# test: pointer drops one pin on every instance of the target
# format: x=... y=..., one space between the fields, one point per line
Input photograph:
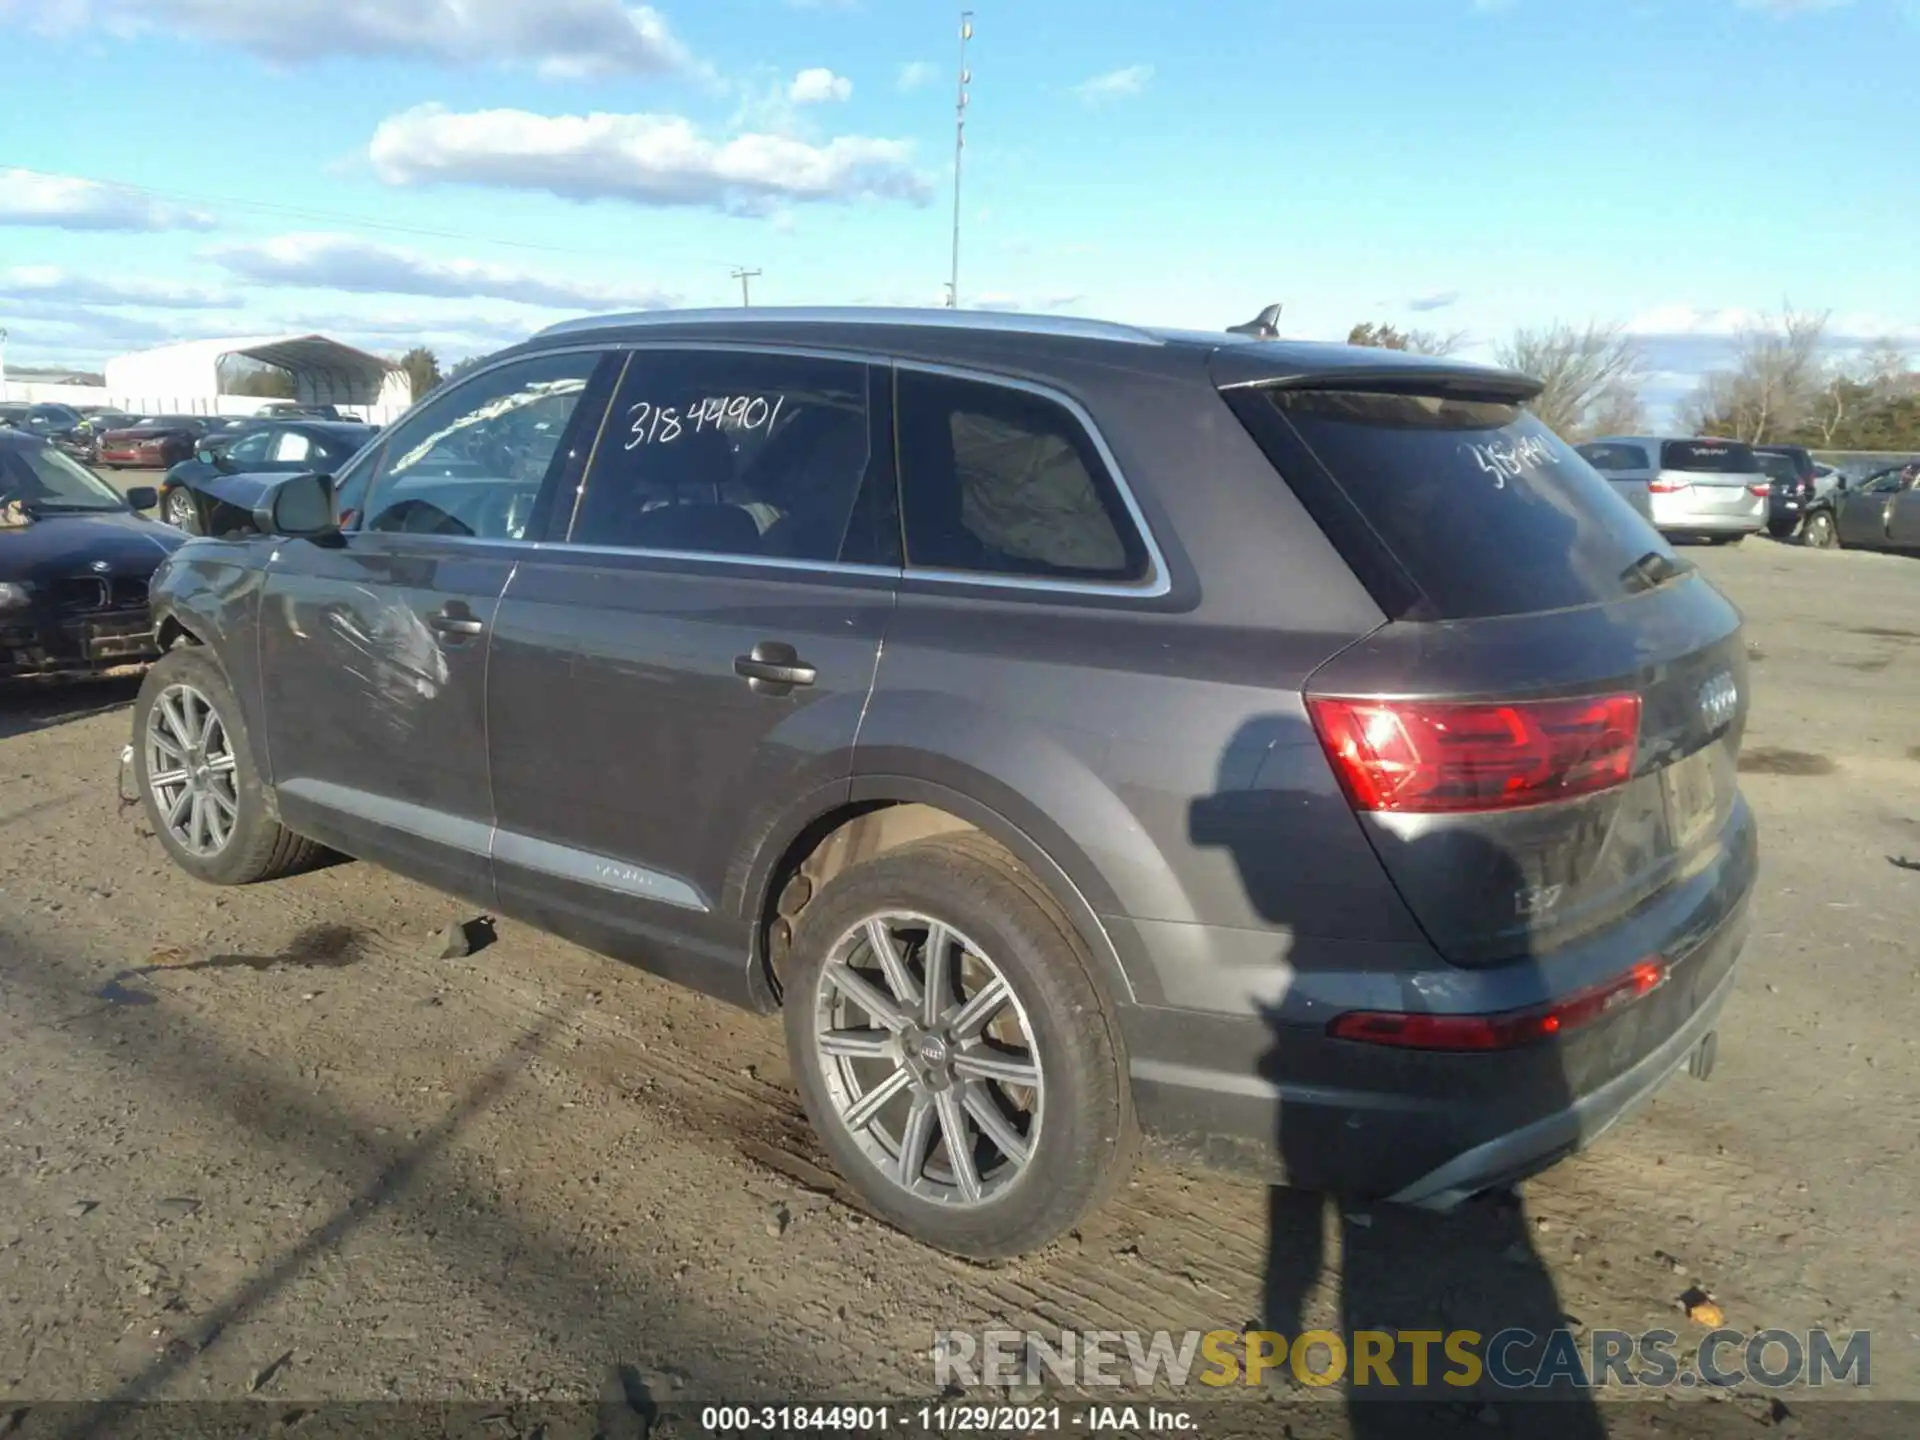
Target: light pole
x=959 y=144
x=744 y=275
x=3 y=364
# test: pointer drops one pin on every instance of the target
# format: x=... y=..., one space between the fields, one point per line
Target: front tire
x=1821 y=533
x=954 y=1051
x=195 y=770
x=180 y=510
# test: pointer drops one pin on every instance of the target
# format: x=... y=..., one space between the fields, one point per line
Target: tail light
x=1504 y=1031
x=1762 y=488
x=1666 y=487
x=1416 y=757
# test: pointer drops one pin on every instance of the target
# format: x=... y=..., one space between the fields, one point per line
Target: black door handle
x=456 y=625
x=773 y=668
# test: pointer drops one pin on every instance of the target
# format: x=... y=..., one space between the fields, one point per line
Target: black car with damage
x=75 y=561
x=200 y=496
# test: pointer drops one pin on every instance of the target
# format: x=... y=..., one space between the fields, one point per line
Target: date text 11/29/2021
x=951 y=1419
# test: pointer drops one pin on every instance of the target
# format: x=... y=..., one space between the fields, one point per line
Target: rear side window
x=1709 y=457
x=1614 y=457
x=1455 y=509
x=1000 y=481
x=719 y=453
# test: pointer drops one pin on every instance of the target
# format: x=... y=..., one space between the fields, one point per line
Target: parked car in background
x=1620 y=468
x=298 y=410
x=212 y=492
x=44 y=421
x=75 y=559
x=1295 y=750
x=223 y=432
x=155 y=442
x=1698 y=488
x=1827 y=478
x=83 y=441
x=1882 y=512
x=1789 y=492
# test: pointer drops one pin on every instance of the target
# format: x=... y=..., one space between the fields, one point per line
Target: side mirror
x=299 y=507
x=143 y=497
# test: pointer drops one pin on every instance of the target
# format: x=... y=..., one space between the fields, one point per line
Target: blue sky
x=462 y=171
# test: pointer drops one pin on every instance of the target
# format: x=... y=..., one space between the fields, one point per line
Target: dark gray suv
x=1294 y=753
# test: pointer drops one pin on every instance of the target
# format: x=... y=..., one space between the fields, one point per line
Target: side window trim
x=1157 y=582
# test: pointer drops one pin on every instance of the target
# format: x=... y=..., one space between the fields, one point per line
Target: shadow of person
x=1413 y=1276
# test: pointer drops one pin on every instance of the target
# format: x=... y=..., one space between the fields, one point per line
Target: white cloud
x=48 y=282
x=644 y=159
x=1440 y=300
x=819 y=84
x=565 y=39
x=344 y=262
x=914 y=74
x=1121 y=84
x=66 y=202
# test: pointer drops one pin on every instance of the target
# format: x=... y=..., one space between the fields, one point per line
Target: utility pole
x=3 y=364
x=744 y=275
x=959 y=144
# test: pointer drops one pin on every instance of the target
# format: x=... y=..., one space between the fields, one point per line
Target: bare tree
x=1775 y=384
x=1581 y=372
x=1618 y=411
x=1435 y=342
x=1417 y=342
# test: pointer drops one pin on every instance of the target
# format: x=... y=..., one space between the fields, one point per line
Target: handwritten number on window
x=663 y=424
x=1504 y=460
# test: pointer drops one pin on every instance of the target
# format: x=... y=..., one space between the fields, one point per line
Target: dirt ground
x=266 y=1143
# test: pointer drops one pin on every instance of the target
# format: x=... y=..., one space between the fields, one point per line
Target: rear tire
x=1044 y=1064
x=198 y=783
x=1821 y=533
x=1782 y=529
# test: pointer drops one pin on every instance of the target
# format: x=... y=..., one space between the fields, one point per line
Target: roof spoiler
x=1264 y=326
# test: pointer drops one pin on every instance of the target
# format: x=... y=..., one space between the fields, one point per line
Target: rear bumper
x=1283 y=1102
x=1681 y=515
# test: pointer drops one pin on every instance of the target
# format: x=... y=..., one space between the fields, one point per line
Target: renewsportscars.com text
x=1513 y=1359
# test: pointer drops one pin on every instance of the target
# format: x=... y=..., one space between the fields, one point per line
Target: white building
x=185 y=378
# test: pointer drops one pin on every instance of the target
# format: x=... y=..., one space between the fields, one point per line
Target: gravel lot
x=266 y=1143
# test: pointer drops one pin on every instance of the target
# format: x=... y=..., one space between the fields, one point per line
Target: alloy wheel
x=929 y=1059
x=190 y=771
x=180 y=511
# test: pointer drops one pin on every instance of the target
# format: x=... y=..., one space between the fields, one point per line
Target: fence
x=35 y=392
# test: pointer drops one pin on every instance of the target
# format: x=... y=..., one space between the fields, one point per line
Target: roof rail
x=1003 y=322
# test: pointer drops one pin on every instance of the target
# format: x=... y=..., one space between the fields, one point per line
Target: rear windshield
x=1480 y=506
x=1780 y=467
x=1712 y=457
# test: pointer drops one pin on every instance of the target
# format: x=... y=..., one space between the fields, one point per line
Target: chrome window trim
x=1156 y=584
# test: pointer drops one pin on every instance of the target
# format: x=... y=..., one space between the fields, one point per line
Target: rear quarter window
x=1709 y=457
x=1614 y=456
x=1482 y=510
